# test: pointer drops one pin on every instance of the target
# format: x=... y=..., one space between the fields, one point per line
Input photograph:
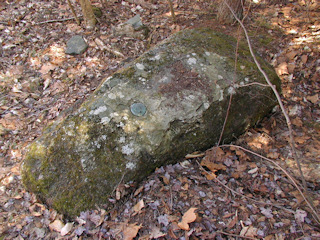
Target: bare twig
x=103 y=46
x=253 y=83
x=172 y=11
x=55 y=20
x=291 y=142
x=231 y=94
x=73 y=12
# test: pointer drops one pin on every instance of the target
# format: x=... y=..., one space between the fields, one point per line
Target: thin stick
x=172 y=11
x=55 y=20
x=73 y=12
x=291 y=142
x=253 y=83
x=103 y=46
x=231 y=94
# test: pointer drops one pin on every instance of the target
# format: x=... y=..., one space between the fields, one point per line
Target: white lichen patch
x=192 y=61
x=112 y=96
x=231 y=90
x=156 y=57
x=122 y=139
x=190 y=97
x=206 y=105
x=83 y=162
x=221 y=96
x=143 y=80
x=114 y=114
x=99 y=110
x=105 y=120
x=130 y=165
x=127 y=149
x=120 y=124
x=140 y=66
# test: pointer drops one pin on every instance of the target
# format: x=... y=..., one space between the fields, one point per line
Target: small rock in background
x=132 y=28
x=76 y=45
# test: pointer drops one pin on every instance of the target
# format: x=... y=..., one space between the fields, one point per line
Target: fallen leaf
x=206 y=162
x=139 y=190
x=47 y=68
x=209 y=176
x=254 y=170
x=137 y=208
x=249 y=231
x=304 y=59
x=156 y=233
x=282 y=69
x=267 y=212
x=290 y=55
x=300 y=215
x=66 y=229
x=57 y=225
x=314 y=99
x=273 y=155
x=131 y=231
x=189 y=217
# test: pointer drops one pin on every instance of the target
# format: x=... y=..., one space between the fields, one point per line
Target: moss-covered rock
x=169 y=102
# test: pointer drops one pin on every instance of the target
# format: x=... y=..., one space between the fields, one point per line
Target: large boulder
x=169 y=102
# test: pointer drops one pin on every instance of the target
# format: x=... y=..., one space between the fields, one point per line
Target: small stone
x=76 y=45
x=135 y=22
x=138 y=109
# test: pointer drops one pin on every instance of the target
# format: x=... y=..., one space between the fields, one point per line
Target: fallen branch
x=73 y=12
x=291 y=142
x=55 y=20
x=103 y=47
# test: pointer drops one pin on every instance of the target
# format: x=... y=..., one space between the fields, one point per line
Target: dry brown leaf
x=47 y=68
x=273 y=155
x=208 y=175
x=304 y=59
x=57 y=225
x=131 y=231
x=297 y=121
x=212 y=166
x=249 y=231
x=137 y=208
x=282 y=69
x=314 y=99
x=66 y=229
x=188 y=217
x=156 y=233
x=139 y=190
x=165 y=180
x=290 y=55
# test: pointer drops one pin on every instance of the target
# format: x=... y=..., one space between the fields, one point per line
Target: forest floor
x=249 y=198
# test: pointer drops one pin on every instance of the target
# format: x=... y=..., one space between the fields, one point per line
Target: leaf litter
x=38 y=82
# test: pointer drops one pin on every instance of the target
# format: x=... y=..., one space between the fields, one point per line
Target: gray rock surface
x=169 y=102
x=76 y=45
x=132 y=28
